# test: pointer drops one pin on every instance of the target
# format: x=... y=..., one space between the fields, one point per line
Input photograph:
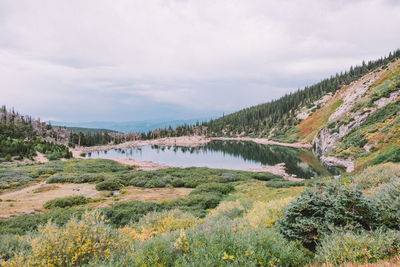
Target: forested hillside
x=21 y=137
x=276 y=119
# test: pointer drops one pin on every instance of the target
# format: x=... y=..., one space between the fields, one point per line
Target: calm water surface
x=235 y=155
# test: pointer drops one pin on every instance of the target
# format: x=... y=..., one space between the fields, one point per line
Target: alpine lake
x=235 y=155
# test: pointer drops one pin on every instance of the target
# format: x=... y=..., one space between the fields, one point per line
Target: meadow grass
x=229 y=219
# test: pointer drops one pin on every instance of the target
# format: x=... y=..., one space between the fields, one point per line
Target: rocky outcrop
x=327 y=138
x=346 y=117
x=348 y=164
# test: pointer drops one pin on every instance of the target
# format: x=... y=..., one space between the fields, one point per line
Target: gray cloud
x=125 y=60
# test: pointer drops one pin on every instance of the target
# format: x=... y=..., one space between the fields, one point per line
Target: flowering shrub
x=78 y=242
x=166 y=221
x=266 y=213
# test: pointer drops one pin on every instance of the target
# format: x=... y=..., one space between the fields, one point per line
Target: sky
x=133 y=60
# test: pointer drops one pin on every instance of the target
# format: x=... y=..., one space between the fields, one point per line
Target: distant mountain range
x=129 y=126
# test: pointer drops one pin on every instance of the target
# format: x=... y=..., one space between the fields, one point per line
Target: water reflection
x=226 y=155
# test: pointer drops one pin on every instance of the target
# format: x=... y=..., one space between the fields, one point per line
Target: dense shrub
x=123 y=213
x=218 y=188
x=388 y=202
x=266 y=176
x=319 y=211
x=392 y=155
x=177 y=177
x=66 y=202
x=381 y=115
x=12 y=178
x=197 y=203
x=219 y=245
x=94 y=166
x=112 y=184
x=25 y=223
x=283 y=183
x=11 y=245
x=77 y=178
x=343 y=247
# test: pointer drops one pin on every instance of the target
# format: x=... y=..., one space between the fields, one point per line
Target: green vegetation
x=230 y=219
x=89 y=138
x=21 y=137
x=283 y=183
x=122 y=213
x=109 y=185
x=363 y=247
x=66 y=202
x=392 y=155
x=71 y=171
x=320 y=210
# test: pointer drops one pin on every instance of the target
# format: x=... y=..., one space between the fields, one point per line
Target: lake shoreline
x=187 y=141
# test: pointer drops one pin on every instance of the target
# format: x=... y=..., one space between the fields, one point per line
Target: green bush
x=392 y=155
x=11 y=245
x=283 y=183
x=381 y=115
x=266 y=176
x=177 y=177
x=318 y=211
x=77 y=178
x=343 y=247
x=123 y=213
x=197 y=203
x=29 y=222
x=94 y=166
x=213 y=188
x=388 y=202
x=66 y=202
x=8 y=157
x=110 y=185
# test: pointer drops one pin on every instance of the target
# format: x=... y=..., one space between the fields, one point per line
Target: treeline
x=88 y=139
x=280 y=113
x=100 y=138
x=183 y=130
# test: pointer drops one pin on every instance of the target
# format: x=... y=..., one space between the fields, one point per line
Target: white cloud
x=102 y=59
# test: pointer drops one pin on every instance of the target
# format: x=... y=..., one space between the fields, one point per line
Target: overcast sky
x=125 y=60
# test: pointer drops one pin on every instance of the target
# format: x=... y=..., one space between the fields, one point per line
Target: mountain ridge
x=130 y=126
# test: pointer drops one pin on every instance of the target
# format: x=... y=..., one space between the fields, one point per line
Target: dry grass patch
x=130 y=193
x=45 y=188
x=257 y=191
x=31 y=199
